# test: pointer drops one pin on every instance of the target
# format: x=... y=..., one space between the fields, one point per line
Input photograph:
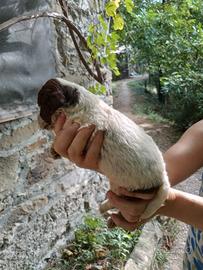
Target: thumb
x=149 y=195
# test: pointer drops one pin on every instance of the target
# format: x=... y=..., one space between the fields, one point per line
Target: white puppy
x=129 y=157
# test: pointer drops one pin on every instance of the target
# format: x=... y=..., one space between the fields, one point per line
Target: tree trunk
x=161 y=96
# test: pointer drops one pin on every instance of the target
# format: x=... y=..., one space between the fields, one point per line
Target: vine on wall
x=102 y=38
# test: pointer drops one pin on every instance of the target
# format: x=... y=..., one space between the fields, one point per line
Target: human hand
x=74 y=143
x=130 y=205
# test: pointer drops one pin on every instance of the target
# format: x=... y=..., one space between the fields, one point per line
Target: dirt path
x=124 y=101
x=165 y=136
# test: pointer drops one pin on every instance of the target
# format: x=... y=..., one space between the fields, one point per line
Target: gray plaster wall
x=33 y=51
x=41 y=199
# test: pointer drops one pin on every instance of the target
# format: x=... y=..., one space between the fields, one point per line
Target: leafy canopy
x=166 y=38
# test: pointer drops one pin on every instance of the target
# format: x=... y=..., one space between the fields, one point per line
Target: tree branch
x=99 y=76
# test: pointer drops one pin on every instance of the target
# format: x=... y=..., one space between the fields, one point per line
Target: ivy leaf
x=103 y=89
x=97 y=89
x=100 y=39
x=116 y=71
x=111 y=8
x=117 y=2
x=89 y=42
x=118 y=22
x=129 y=5
x=103 y=23
x=91 y=28
x=114 y=37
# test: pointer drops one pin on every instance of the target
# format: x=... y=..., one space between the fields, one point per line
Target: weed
x=95 y=244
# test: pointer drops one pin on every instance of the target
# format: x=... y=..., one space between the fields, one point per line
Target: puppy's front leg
x=105 y=206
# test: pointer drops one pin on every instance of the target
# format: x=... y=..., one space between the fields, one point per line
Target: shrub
x=185 y=91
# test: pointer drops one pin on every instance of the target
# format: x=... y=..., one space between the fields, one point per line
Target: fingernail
x=92 y=126
x=62 y=115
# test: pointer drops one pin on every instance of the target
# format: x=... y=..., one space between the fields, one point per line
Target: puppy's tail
x=158 y=200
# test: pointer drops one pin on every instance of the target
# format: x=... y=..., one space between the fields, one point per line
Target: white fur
x=129 y=157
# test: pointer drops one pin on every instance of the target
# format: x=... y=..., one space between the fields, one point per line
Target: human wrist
x=168 y=206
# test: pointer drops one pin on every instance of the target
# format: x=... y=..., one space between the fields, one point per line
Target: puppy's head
x=52 y=96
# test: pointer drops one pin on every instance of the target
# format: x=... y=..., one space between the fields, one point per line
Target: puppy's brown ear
x=50 y=98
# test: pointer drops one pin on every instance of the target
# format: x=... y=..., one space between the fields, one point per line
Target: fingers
x=75 y=143
x=59 y=123
x=119 y=221
x=94 y=149
x=84 y=153
x=138 y=195
x=78 y=145
x=65 y=136
x=131 y=209
x=123 y=203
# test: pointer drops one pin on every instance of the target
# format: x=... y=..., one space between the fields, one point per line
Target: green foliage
x=97 y=89
x=112 y=10
x=103 y=35
x=165 y=36
x=102 y=39
x=186 y=97
x=167 y=39
x=95 y=242
x=129 y=6
x=118 y=22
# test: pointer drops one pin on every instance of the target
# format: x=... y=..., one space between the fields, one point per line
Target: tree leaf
x=129 y=5
x=118 y=22
x=111 y=8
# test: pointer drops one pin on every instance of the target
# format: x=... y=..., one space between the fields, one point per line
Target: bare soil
x=164 y=135
x=124 y=101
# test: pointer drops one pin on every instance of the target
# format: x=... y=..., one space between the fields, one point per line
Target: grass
x=147 y=103
x=96 y=245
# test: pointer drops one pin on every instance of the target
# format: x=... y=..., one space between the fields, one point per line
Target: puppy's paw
x=105 y=206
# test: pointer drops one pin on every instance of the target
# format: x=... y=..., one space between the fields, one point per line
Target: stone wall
x=41 y=199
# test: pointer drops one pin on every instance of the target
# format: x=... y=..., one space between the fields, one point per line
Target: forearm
x=185 y=157
x=179 y=167
x=185 y=207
